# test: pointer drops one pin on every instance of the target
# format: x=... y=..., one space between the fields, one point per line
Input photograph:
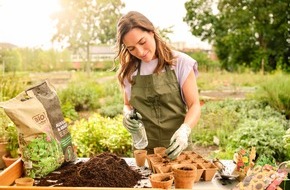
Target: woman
x=159 y=83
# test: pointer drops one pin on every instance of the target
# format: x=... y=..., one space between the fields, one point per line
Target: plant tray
x=9 y=174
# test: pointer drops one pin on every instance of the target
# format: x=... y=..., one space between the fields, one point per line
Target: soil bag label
x=44 y=140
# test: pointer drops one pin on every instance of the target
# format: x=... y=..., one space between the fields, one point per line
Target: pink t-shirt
x=184 y=64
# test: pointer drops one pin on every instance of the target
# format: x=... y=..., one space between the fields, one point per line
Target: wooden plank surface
x=11 y=173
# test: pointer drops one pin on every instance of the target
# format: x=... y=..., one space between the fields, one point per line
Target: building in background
x=98 y=55
x=101 y=54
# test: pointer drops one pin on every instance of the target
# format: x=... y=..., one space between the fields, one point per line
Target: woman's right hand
x=132 y=121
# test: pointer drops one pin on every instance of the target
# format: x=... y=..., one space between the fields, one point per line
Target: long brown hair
x=129 y=63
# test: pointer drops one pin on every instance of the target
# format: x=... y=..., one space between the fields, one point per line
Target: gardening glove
x=178 y=142
x=132 y=121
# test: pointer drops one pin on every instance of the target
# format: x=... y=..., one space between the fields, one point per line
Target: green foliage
x=103 y=96
x=164 y=32
x=11 y=85
x=99 y=134
x=242 y=34
x=10 y=59
x=286 y=140
x=45 y=155
x=216 y=120
x=83 y=95
x=242 y=123
x=264 y=159
x=4 y=123
x=205 y=64
x=12 y=146
x=264 y=134
x=225 y=80
x=111 y=110
x=112 y=102
x=276 y=93
x=36 y=59
x=69 y=112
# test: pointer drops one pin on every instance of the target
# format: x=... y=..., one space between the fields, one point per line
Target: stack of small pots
x=187 y=169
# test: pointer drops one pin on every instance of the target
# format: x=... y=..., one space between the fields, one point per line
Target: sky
x=27 y=23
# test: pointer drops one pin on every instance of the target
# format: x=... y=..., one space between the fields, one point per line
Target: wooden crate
x=9 y=174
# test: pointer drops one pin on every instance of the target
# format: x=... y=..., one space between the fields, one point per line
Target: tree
x=84 y=23
x=244 y=33
x=164 y=32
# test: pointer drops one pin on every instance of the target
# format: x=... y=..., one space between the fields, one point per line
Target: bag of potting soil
x=44 y=140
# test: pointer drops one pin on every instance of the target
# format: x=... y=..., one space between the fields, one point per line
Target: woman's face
x=140 y=44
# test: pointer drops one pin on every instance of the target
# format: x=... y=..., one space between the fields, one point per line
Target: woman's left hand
x=178 y=142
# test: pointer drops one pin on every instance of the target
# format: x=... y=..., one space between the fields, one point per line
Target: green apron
x=157 y=97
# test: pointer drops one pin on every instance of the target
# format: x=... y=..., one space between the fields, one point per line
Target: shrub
x=264 y=134
x=112 y=103
x=216 y=120
x=242 y=123
x=276 y=93
x=99 y=134
x=82 y=95
x=69 y=112
x=205 y=63
x=11 y=86
x=4 y=123
x=111 y=110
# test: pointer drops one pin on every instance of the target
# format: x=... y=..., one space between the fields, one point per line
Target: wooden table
x=214 y=184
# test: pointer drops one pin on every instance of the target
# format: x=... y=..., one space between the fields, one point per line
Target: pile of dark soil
x=103 y=170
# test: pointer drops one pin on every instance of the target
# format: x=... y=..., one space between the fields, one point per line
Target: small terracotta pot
x=8 y=160
x=209 y=172
x=192 y=156
x=200 y=170
x=148 y=158
x=140 y=157
x=184 y=175
x=3 y=151
x=24 y=181
x=165 y=168
x=186 y=161
x=160 y=180
x=160 y=151
x=154 y=162
x=156 y=167
x=181 y=157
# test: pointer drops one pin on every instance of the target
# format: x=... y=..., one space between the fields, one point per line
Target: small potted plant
x=3 y=137
x=12 y=145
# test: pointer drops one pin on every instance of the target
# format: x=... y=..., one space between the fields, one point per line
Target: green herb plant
x=13 y=145
x=42 y=155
